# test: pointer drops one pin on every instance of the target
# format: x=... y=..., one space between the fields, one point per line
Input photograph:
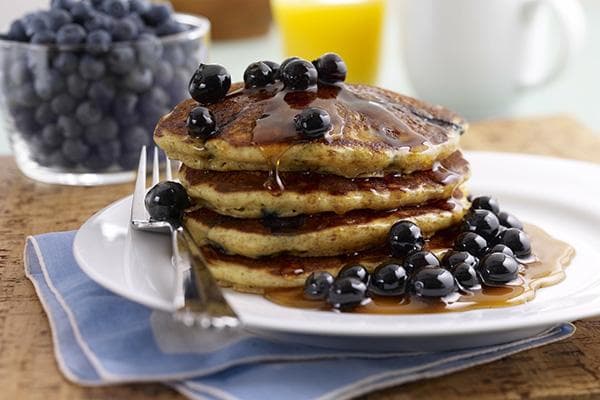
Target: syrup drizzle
x=274 y=131
x=547 y=268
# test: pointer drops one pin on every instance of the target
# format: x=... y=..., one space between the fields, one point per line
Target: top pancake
x=373 y=131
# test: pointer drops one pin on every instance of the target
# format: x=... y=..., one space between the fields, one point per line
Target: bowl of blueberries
x=83 y=84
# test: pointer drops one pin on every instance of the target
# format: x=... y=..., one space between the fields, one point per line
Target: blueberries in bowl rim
x=99 y=52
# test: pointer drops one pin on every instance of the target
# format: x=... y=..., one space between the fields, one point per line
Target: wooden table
x=570 y=369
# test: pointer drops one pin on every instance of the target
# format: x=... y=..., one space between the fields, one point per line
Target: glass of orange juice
x=351 y=28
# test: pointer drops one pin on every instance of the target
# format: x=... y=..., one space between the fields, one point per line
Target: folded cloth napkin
x=102 y=339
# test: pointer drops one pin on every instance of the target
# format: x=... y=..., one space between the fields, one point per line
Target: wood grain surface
x=28 y=370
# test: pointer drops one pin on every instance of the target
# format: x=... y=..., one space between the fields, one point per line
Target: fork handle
x=202 y=298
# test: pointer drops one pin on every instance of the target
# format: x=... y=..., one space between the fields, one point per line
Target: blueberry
x=77 y=86
x=25 y=95
x=98 y=42
x=134 y=138
x=48 y=85
x=44 y=114
x=91 y=68
x=62 y=4
x=154 y=102
x=82 y=11
x=63 y=104
x=18 y=73
x=498 y=269
x=483 y=222
x=347 y=293
x=405 y=237
x=99 y=21
x=70 y=34
x=433 y=282
x=169 y=27
x=57 y=159
x=166 y=201
x=124 y=108
x=120 y=59
x=116 y=8
x=35 y=22
x=509 y=221
x=102 y=156
x=299 y=75
x=102 y=93
x=389 y=279
x=201 y=123
x=75 y=150
x=26 y=125
x=210 y=83
x=52 y=136
x=517 y=240
x=286 y=62
x=416 y=260
x=149 y=49
x=58 y=17
x=164 y=73
x=331 y=68
x=88 y=113
x=452 y=258
x=139 y=80
x=70 y=127
x=485 y=203
x=139 y=6
x=472 y=243
x=317 y=285
x=124 y=30
x=65 y=62
x=465 y=276
x=274 y=67
x=258 y=74
x=157 y=14
x=16 y=31
x=43 y=37
x=175 y=55
x=103 y=131
x=312 y=122
x=500 y=248
x=355 y=271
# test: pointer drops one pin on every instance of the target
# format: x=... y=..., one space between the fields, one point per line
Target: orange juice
x=351 y=28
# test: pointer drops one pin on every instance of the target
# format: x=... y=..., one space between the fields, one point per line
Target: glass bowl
x=78 y=118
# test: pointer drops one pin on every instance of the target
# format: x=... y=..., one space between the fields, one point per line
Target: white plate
x=558 y=195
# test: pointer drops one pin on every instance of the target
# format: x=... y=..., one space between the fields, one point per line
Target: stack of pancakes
x=271 y=207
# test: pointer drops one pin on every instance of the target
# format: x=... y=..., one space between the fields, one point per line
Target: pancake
x=243 y=194
x=315 y=235
x=373 y=130
x=285 y=271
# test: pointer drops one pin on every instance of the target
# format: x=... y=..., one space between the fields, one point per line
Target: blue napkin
x=103 y=339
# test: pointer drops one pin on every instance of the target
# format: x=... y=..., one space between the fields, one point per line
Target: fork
x=203 y=302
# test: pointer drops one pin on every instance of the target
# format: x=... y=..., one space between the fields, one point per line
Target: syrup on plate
x=545 y=268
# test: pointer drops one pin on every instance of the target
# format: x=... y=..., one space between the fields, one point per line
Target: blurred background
x=417 y=47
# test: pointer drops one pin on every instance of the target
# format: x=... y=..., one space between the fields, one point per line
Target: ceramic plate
x=558 y=195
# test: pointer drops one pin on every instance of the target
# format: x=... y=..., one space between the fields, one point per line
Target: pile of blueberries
x=211 y=82
x=89 y=90
x=486 y=252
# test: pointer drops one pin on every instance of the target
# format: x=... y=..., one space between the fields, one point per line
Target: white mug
x=478 y=56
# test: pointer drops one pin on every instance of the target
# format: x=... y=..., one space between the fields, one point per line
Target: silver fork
x=203 y=302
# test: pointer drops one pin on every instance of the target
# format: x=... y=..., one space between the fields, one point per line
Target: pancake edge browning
x=352 y=236
x=256 y=202
x=348 y=156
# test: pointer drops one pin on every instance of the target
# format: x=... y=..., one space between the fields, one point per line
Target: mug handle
x=572 y=26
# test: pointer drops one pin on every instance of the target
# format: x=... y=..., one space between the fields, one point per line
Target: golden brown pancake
x=256 y=275
x=373 y=130
x=316 y=235
x=244 y=194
